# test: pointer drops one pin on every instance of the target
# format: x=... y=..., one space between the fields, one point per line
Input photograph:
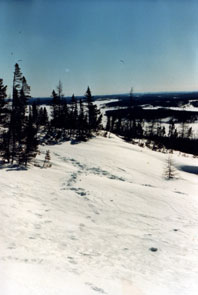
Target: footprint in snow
x=81 y=227
x=73 y=238
x=153 y=249
x=39 y=215
x=47 y=221
x=98 y=171
x=12 y=246
x=71 y=260
x=125 y=249
x=148 y=185
x=93 y=208
x=177 y=192
x=37 y=226
x=79 y=191
x=95 y=288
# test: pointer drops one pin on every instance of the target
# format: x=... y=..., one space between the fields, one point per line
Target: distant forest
x=25 y=122
x=156 y=99
x=131 y=121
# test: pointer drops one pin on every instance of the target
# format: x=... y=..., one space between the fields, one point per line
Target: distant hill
x=155 y=99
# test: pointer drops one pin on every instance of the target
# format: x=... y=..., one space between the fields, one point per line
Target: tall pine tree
x=4 y=116
x=3 y=103
x=57 y=105
x=94 y=115
x=17 y=137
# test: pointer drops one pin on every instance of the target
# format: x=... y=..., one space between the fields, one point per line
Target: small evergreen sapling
x=47 y=163
x=170 y=172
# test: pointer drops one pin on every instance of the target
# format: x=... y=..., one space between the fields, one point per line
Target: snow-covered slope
x=86 y=225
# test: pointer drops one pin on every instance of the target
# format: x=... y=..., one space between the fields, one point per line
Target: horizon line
x=126 y=93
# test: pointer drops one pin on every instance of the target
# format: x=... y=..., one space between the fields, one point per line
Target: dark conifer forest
x=24 y=126
x=147 y=126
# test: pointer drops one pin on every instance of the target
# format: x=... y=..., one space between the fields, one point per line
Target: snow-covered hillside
x=86 y=225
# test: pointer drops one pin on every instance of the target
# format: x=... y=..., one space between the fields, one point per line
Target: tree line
x=23 y=126
x=133 y=122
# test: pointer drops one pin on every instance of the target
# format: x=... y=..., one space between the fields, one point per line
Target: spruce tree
x=47 y=159
x=93 y=113
x=16 y=138
x=65 y=117
x=35 y=113
x=170 y=171
x=3 y=103
x=73 y=116
x=81 y=121
x=14 y=134
x=57 y=105
x=31 y=143
x=43 y=118
x=4 y=115
x=55 y=108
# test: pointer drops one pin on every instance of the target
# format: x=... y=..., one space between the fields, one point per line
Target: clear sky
x=110 y=45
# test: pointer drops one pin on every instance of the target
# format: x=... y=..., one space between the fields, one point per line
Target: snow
x=187 y=107
x=85 y=226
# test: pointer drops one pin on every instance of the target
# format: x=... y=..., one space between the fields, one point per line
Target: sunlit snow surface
x=85 y=226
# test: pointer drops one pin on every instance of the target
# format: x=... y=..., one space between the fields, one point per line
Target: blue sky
x=83 y=42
